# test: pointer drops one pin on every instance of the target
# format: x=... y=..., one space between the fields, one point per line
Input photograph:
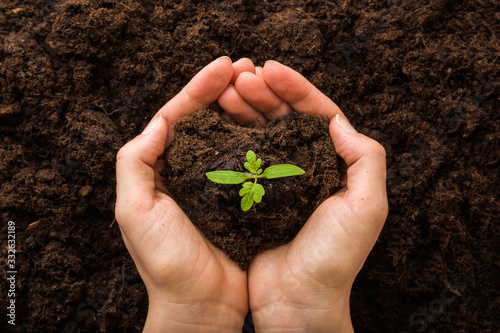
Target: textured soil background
x=80 y=78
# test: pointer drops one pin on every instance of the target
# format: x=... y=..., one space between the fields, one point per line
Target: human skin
x=302 y=286
x=192 y=286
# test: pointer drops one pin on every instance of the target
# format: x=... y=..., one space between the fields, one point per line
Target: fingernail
x=258 y=67
x=270 y=61
x=247 y=73
x=344 y=124
x=226 y=57
x=152 y=124
x=245 y=59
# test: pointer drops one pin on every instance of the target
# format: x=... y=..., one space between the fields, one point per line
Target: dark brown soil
x=79 y=78
x=204 y=142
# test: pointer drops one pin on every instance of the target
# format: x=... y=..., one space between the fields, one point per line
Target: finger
x=238 y=109
x=297 y=91
x=255 y=91
x=203 y=89
x=158 y=168
x=135 y=175
x=366 y=171
x=240 y=66
x=258 y=71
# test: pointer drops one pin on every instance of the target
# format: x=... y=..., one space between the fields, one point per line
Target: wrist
x=280 y=317
x=171 y=316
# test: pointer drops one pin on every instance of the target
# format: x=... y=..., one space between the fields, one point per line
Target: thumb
x=135 y=175
x=366 y=173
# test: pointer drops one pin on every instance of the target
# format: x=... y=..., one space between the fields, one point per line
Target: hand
x=305 y=285
x=191 y=284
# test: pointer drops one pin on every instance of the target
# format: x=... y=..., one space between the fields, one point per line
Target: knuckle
x=120 y=214
x=379 y=149
x=126 y=212
x=381 y=205
x=121 y=153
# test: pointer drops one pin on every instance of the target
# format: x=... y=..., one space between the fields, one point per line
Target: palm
x=311 y=277
x=182 y=257
x=189 y=281
x=323 y=254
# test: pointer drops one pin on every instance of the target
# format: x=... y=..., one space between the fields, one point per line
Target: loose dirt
x=205 y=142
x=80 y=78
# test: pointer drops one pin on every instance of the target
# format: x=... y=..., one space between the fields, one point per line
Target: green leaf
x=251 y=156
x=253 y=164
x=282 y=170
x=247 y=201
x=251 y=192
x=257 y=164
x=249 y=167
x=248 y=185
x=227 y=177
x=258 y=193
x=247 y=188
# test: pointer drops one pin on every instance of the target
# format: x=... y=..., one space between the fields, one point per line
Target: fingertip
x=339 y=125
x=366 y=168
x=152 y=124
x=271 y=62
x=247 y=74
x=241 y=66
x=150 y=144
x=348 y=142
x=135 y=165
x=258 y=71
x=244 y=79
x=222 y=66
x=270 y=69
x=344 y=139
x=297 y=91
x=343 y=123
x=257 y=93
x=237 y=109
x=273 y=69
x=220 y=69
x=225 y=58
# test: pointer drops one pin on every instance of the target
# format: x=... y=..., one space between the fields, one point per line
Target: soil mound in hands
x=204 y=142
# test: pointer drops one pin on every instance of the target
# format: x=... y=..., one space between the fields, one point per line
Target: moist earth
x=204 y=142
x=80 y=78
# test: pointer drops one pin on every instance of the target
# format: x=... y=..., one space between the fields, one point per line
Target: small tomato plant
x=253 y=191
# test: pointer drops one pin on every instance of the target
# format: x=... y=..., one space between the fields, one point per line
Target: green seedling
x=252 y=191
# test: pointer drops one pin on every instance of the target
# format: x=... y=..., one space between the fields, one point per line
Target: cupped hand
x=304 y=286
x=191 y=284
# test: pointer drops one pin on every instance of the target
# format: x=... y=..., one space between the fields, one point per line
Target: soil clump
x=204 y=142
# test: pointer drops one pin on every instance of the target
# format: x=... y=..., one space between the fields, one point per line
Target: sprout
x=252 y=191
